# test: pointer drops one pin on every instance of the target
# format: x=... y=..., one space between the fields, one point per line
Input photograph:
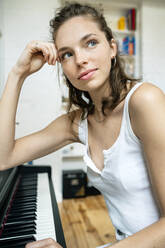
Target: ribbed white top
x=124 y=180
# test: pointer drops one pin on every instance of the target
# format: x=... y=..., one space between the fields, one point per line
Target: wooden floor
x=86 y=222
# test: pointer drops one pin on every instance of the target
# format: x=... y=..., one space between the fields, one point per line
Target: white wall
x=40 y=97
x=153 y=37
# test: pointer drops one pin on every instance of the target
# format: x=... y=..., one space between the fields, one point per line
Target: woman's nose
x=81 y=58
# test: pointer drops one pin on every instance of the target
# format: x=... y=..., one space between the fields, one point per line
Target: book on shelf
x=131 y=19
x=127 y=45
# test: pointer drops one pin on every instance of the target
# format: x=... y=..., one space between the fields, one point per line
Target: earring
x=114 y=61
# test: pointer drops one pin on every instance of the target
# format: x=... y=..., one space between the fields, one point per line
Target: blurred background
x=138 y=26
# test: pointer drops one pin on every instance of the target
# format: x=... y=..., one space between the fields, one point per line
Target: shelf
x=73 y=151
x=68 y=157
x=127 y=56
x=124 y=32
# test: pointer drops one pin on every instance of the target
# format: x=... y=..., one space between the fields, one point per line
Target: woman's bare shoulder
x=146 y=94
x=146 y=106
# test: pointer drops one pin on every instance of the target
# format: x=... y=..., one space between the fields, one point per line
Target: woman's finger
x=54 y=52
x=51 y=53
x=45 y=243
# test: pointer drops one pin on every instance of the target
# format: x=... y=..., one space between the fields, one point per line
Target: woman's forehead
x=76 y=28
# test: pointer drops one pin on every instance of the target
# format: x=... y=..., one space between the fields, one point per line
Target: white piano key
x=45 y=226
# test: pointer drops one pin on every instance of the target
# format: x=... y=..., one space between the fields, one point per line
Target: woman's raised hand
x=34 y=56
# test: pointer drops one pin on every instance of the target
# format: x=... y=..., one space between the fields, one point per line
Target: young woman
x=120 y=121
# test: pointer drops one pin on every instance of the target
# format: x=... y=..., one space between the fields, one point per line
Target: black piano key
x=19 y=215
x=28 y=230
x=32 y=185
x=32 y=210
x=27 y=187
x=18 y=244
x=22 y=210
x=25 y=205
x=21 y=195
x=16 y=209
x=28 y=183
x=15 y=233
x=15 y=240
x=26 y=190
x=14 y=246
x=30 y=216
x=18 y=205
x=18 y=222
x=19 y=226
x=26 y=193
x=28 y=199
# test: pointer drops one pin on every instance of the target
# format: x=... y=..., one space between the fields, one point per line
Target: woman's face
x=84 y=53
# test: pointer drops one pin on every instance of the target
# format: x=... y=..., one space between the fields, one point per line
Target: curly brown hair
x=118 y=78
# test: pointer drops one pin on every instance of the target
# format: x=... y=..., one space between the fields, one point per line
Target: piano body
x=28 y=207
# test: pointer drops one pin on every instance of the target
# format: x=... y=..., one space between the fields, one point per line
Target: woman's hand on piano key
x=45 y=243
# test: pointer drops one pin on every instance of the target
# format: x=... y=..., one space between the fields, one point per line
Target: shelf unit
x=130 y=60
x=113 y=11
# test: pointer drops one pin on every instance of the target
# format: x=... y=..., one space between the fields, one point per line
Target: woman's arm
x=57 y=134
x=147 y=112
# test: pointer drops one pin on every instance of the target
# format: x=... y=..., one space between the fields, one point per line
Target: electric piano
x=28 y=207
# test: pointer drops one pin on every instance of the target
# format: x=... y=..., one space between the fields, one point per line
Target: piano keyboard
x=30 y=215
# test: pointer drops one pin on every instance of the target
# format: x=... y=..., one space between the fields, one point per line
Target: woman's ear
x=113 y=46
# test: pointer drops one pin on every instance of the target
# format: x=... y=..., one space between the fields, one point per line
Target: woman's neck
x=98 y=95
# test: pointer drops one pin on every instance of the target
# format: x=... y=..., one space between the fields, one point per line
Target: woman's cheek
x=68 y=70
x=67 y=73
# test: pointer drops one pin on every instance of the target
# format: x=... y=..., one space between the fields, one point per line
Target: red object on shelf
x=133 y=17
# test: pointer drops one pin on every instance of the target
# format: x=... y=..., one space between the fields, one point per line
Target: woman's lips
x=87 y=75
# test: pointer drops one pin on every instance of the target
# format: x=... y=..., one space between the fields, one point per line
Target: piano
x=28 y=207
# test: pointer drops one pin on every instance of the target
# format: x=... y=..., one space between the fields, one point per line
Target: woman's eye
x=92 y=43
x=66 y=55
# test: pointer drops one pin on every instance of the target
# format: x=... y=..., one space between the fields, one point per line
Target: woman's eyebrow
x=82 y=39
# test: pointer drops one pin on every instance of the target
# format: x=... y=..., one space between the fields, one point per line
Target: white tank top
x=124 y=180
